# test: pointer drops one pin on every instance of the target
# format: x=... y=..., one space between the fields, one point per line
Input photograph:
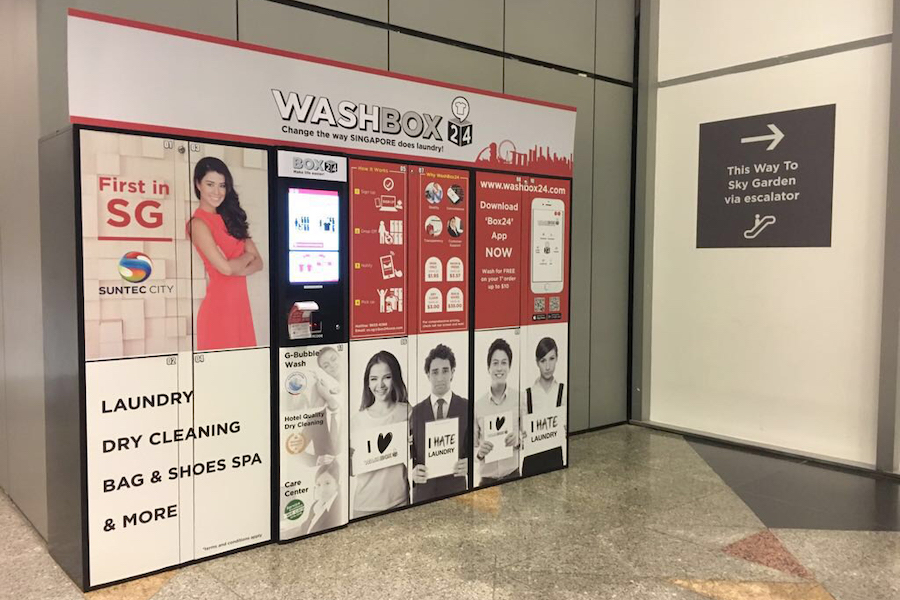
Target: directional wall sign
x=767 y=180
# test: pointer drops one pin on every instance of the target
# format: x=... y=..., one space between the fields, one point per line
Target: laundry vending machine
x=271 y=317
x=312 y=356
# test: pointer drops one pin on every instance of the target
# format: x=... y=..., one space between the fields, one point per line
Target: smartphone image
x=548 y=217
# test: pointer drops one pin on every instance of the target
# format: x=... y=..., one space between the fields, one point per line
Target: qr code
x=554 y=303
x=540 y=305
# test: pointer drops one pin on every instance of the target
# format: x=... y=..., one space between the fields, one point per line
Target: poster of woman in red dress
x=220 y=233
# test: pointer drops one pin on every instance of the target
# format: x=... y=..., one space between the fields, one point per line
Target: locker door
x=228 y=233
x=313 y=429
x=133 y=393
x=133 y=506
x=496 y=365
x=379 y=425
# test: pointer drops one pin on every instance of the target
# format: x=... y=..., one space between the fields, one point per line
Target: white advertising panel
x=294 y=99
x=544 y=399
x=231 y=471
x=304 y=165
x=313 y=432
x=379 y=425
x=133 y=440
x=496 y=365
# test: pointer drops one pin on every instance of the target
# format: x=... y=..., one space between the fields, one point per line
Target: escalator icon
x=759 y=224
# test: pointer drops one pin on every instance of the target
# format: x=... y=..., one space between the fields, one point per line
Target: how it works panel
x=378 y=242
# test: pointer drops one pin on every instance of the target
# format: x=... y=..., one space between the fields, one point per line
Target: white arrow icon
x=775 y=138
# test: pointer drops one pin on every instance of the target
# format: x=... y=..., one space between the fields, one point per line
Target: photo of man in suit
x=441 y=403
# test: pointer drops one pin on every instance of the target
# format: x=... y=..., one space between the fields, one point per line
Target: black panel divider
x=470 y=298
x=274 y=350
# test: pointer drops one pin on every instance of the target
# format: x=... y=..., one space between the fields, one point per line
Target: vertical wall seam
x=886 y=414
x=635 y=97
x=389 y=36
x=4 y=420
x=503 y=61
x=645 y=168
x=590 y=329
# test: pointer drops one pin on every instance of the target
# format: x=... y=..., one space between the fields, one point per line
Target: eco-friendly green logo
x=294 y=509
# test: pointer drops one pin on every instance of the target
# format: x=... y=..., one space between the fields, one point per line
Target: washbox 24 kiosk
x=334 y=293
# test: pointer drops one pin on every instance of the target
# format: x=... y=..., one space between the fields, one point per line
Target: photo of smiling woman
x=220 y=233
x=384 y=402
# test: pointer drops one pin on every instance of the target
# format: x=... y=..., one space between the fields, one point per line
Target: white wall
x=778 y=347
x=702 y=35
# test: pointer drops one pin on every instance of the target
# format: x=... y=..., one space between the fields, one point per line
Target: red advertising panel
x=546 y=205
x=412 y=253
x=443 y=248
x=378 y=265
x=498 y=250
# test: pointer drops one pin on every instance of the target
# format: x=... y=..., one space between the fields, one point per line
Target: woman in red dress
x=219 y=232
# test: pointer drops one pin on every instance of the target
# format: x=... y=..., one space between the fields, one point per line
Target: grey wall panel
x=61 y=357
x=609 y=273
x=473 y=21
x=298 y=30
x=560 y=32
x=21 y=254
x=7 y=114
x=4 y=417
x=615 y=39
x=371 y=9
x=213 y=17
x=555 y=86
x=423 y=58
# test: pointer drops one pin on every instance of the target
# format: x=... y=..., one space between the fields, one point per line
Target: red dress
x=224 y=319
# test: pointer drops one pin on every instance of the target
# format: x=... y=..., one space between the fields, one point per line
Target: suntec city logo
x=135 y=267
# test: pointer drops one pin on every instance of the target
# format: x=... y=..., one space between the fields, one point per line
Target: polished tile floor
x=786 y=493
x=640 y=514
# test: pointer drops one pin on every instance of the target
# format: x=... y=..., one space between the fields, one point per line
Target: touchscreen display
x=547 y=236
x=313 y=236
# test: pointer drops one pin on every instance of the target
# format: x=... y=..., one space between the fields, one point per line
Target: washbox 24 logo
x=459 y=130
x=372 y=118
x=321 y=165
